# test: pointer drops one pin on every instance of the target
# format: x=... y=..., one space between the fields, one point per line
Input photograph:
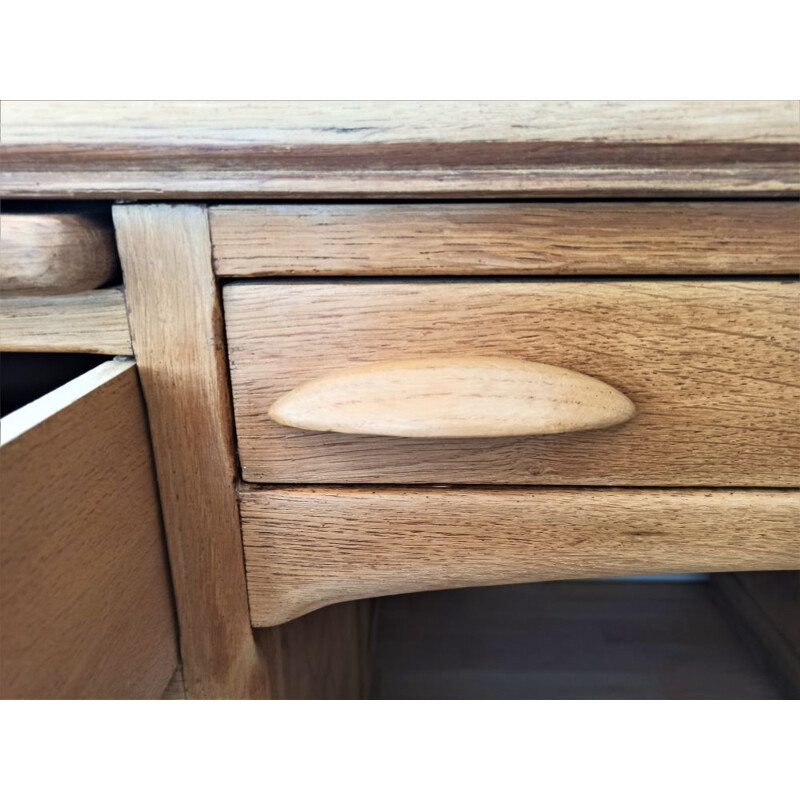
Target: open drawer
x=84 y=592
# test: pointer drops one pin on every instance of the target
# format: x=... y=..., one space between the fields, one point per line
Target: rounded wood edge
x=55 y=254
x=453 y=397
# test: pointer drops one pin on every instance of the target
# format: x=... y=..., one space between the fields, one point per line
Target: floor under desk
x=564 y=640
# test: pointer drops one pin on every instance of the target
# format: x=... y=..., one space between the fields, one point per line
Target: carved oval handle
x=453 y=397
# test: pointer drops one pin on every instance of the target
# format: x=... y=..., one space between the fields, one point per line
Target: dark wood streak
x=393 y=155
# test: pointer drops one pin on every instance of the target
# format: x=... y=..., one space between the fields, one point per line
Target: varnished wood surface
x=453 y=397
x=198 y=123
x=407 y=148
x=176 y=688
x=85 y=606
x=176 y=323
x=310 y=547
x=570 y=640
x=89 y=322
x=711 y=366
x=55 y=253
x=320 y=656
x=506 y=239
x=176 y=320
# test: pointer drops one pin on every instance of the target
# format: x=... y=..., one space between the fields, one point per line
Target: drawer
x=85 y=599
x=711 y=366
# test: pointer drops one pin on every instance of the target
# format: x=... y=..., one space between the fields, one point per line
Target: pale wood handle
x=453 y=397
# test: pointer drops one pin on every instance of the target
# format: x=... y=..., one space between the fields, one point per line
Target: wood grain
x=406 y=148
x=176 y=324
x=176 y=321
x=310 y=547
x=196 y=123
x=455 y=397
x=711 y=366
x=506 y=239
x=85 y=606
x=320 y=656
x=55 y=253
x=90 y=322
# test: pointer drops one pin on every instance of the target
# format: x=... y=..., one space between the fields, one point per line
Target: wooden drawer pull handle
x=453 y=397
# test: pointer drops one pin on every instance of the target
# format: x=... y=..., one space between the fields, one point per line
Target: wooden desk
x=673 y=280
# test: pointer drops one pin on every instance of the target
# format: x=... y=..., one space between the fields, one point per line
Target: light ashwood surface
x=176 y=320
x=176 y=323
x=85 y=606
x=309 y=547
x=55 y=253
x=208 y=123
x=90 y=322
x=201 y=149
x=453 y=398
x=712 y=367
x=506 y=238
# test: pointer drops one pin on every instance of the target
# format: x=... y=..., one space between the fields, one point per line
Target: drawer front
x=712 y=367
